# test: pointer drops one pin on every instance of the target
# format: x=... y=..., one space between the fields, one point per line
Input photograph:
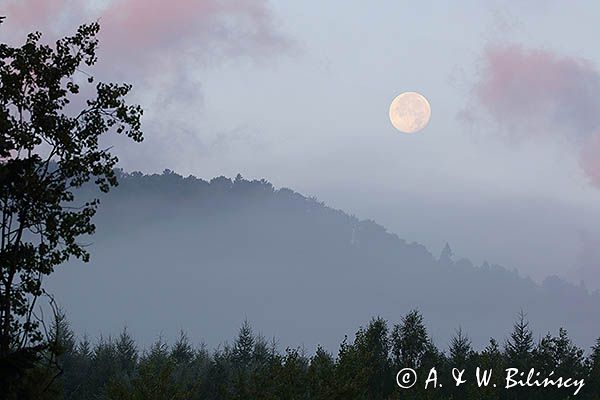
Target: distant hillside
x=175 y=253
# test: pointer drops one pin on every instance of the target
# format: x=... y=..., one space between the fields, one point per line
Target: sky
x=508 y=169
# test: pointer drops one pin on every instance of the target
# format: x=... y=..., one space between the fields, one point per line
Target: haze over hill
x=185 y=253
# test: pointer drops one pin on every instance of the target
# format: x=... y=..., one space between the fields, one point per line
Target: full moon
x=410 y=112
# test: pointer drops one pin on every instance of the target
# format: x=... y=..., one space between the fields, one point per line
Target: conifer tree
x=592 y=388
x=243 y=347
x=460 y=349
x=519 y=347
x=372 y=348
x=409 y=341
x=321 y=375
x=446 y=255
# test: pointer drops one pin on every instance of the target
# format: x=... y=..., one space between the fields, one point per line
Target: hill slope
x=175 y=253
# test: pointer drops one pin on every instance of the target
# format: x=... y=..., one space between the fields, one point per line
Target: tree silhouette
x=446 y=255
x=409 y=341
x=45 y=153
x=593 y=376
x=372 y=348
x=519 y=347
x=460 y=349
x=321 y=375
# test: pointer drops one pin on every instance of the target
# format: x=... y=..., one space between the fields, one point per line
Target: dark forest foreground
x=364 y=367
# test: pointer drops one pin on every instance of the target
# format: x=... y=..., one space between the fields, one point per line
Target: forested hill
x=174 y=253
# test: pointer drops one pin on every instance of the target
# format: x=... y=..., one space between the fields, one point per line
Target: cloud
x=151 y=24
x=538 y=95
x=227 y=26
x=28 y=15
x=156 y=33
x=160 y=47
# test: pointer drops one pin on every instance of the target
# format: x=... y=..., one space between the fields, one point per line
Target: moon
x=410 y=112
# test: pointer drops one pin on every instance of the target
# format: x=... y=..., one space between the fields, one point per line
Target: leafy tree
x=46 y=152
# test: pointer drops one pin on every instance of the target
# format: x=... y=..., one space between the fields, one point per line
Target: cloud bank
x=139 y=27
x=156 y=37
x=539 y=95
x=161 y=47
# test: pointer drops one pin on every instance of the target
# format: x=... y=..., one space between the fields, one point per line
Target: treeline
x=364 y=368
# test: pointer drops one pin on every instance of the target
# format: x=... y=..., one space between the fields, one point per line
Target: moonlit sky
x=298 y=93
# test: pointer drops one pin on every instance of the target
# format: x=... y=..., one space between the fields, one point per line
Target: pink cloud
x=209 y=27
x=159 y=46
x=142 y=28
x=33 y=12
x=536 y=94
x=53 y=18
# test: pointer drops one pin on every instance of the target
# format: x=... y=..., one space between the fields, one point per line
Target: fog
x=174 y=253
